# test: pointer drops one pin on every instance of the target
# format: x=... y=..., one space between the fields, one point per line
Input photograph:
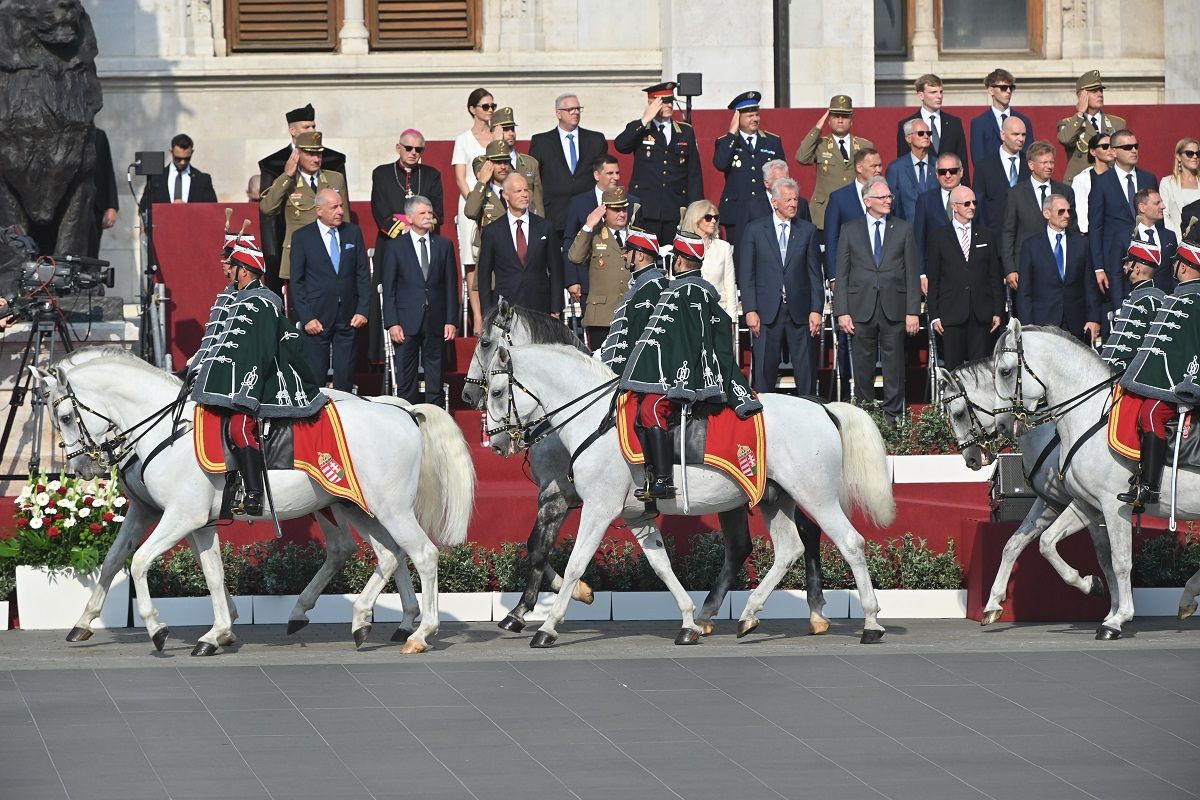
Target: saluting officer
x=520 y=163
x=486 y=204
x=666 y=166
x=833 y=155
x=741 y=154
x=1089 y=118
x=597 y=252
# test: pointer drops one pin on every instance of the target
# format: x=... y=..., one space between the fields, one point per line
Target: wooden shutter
x=423 y=24
x=281 y=25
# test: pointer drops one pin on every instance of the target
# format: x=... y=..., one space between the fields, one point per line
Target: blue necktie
x=920 y=176
x=783 y=242
x=574 y=153
x=1130 y=191
x=335 y=252
x=878 y=242
x=1012 y=171
x=1061 y=257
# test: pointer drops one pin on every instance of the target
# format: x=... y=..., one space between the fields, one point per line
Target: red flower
x=58 y=516
x=51 y=508
x=21 y=522
x=95 y=527
x=108 y=516
x=41 y=487
x=53 y=531
x=88 y=500
x=62 y=490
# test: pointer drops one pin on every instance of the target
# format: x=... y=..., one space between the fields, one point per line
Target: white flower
x=69 y=522
x=119 y=502
x=67 y=503
x=35 y=522
x=118 y=518
x=42 y=499
x=83 y=511
x=54 y=485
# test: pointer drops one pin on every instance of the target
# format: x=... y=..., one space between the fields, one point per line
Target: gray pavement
x=941 y=709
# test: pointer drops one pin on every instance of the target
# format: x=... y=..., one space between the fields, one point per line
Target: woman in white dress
x=1182 y=185
x=1100 y=156
x=702 y=218
x=467 y=146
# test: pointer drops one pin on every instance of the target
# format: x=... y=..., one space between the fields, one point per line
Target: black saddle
x=279 y=451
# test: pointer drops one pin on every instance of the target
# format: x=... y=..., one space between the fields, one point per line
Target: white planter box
x=793 y=604
x=915 y=604
x=53 y=599
x=1161 y=602
x=657 y=605
x=452 y=607
x=937 y=469
x=600 y=609
x=182 y=611
x=277 y=609
x=3 y=615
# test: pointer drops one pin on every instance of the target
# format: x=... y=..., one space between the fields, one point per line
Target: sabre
x=1183 y=412
x=687 y=407
x=267 y=488
x=850 y=344
x=390 y=385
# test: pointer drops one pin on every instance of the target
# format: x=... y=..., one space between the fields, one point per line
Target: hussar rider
x=251 y=367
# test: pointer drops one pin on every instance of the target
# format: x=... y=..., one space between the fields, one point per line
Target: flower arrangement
x=65 y=522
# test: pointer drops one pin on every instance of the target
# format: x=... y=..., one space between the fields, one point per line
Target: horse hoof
x=871 y=636
x=706 y=628
x=401 y=635
x=512 y=623
x=1107 y=634
x=543 y=640
x=746 y=627
x=160 y=638
x=1187 y=611
x=583 y=593
x=1097 y=588
x=82 y=634
x=688 y=636
x=818 y=627
x=360 y=636
x=295 y=625
x=991 y=616
x=204 y=649
x=414 y=646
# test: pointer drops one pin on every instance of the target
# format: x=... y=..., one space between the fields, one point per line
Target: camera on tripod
x=45 y=278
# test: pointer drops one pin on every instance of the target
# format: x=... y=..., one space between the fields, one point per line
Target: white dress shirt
x=512 y=227
x=996 y=112
x=187 y=182
x=1053 y=237
x=566 y=145
x=1037 y=189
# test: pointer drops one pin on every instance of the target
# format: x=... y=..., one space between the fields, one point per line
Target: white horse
x=968 y=395
x=822 y=458
x=114 y=409
x=1033 y=364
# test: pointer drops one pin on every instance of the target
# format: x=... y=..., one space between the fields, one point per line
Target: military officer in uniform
x=254 y=368
x=1132 y=320
x=485 y=204
x=666 y=165
x=1164 y=372
x=597 y=249
x=833 y=155
x=1089 y=118
x=520 y=163
x=294 y=193
x=741 y=155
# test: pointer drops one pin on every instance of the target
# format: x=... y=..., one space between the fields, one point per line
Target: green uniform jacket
x=1131 y=324
x=631 y=316
x=254 y=364
x=214 y=326
x=1167 y=362
x=686 y=350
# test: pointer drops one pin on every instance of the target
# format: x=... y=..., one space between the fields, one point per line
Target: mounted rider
x=646 y=282
x=1133 y=319
x=1164 y=371
x=684 y=354
x=252 y=367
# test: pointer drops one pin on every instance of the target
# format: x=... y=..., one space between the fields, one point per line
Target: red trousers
x=1153 y=416
x=653 y=410
x=243 y=430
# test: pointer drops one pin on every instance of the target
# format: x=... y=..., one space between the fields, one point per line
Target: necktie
x=1042 y=189
x=662 y=130
x=750 y=141
x=1003 y=118
x=574 y=152
x=878 y=242
x=522 y=245
x=177 y=191
x=936 y=139
x=1012 y=171
x=424 y=257
x=964 y=240
x=1095 y=124
x=312 y=181
x=620 y=240
x=949 y=208
x=1150 y=236
x=335 y=252
x=920 y=176
x=842 y=147
x=1130 y=191
x=1060 y=257
x=783 y=240
x=500 y=194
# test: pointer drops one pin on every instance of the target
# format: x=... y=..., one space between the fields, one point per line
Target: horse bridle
x=512 y=423
x=976 y=432
x=1017 y=407
x=507 y=331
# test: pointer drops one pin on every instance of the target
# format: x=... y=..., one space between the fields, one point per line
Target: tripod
x=45 y=325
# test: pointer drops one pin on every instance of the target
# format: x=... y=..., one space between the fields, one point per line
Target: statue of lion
x=49 y=96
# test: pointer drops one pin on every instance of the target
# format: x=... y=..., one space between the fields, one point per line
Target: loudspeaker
x=689 y=84
x=1010 y=495
x=149 y=162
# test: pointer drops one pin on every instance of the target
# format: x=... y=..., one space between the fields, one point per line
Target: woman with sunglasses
x=1182 y=186
x=702 y=219
x=1100 y=156
x=469 y=145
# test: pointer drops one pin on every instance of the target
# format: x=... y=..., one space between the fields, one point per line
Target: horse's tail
x=865 y=479
x=446 y=489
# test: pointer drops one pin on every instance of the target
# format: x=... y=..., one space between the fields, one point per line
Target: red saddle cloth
x=1123 y=437
x=320 y=451
x=737 y=447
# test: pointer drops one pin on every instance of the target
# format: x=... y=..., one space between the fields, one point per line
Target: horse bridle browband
x=1045 y=413
x=977 y=433
x=507 y=330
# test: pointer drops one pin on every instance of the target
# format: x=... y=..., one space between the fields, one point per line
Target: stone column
x=353 y=37
x=924 y=40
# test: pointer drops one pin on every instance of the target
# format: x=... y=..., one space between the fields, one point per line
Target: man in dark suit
x=877 y=297
x=779 y=272
x=107 y=201
x=985 y=129
x=966 y=295
x=1111 y=214
x=1023 y=215
x=666 y=162
x=912 y=173
x=273 y=227
x=997 y=172
x=933 y=207
x=1150 y=227
x=420 y=302
x=741 y=155
x=519 y=256
x=946 y=130
x=565 y=155
x=181 y=183
x=1055 y=285
x=846 y=204
x=330 y=286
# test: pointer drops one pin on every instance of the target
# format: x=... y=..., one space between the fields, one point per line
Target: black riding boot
x=250 y=464
x=658 y=454
x=1154 y=459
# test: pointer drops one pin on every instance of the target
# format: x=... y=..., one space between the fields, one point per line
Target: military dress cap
x=503 y=118
x=1146 y=253
x=310 y=141
x=664 y=89
x=306 y=114
x=645 y=241
x=746 y=101
x=232 y=240
x=1090 y=81
x=841 y=104
x=615 y=197
x=1188 y=253
x=498 y=151
x=689 y=245
x=247 y=255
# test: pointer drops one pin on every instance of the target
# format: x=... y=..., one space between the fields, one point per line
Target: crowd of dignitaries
x=966 y=222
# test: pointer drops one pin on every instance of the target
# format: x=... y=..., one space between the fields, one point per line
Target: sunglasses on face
x=1062 y=211
x=181 y=159
x=711 y=218
x=967 y=203
x=1004 y=87
x=414 y=148
x=1190 y=153
x=1103 y=146
x=921 y=133
x=1126 y=147
x=487 y=106
x=949 y=171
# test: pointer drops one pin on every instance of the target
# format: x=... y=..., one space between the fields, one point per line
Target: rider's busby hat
x=1147 y=253
x=690 y=246
x=1188 y=253
x=645 y=241
x=245 y=254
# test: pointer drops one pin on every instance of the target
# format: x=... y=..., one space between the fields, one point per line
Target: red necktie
x=522 y=245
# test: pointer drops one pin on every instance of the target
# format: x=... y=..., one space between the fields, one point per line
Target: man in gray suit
x=1023 y=209
x=877 y=297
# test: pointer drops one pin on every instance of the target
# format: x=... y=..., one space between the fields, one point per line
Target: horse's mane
x=1055 y=331
x=976 y=371
x=106 y=354
x=598 y=368
x=543 y=328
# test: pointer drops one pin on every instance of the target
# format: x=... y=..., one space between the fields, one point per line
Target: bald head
x=330 y=209
x=516 y=193
x=962 y=200
x=1012 y=135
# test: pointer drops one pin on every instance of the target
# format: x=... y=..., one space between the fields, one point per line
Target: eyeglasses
x=572 y=109
x=711 y=218
x=414 y=148
x=1189 y=153
x=487 y=106
x=879 y=197
x=949 y=170
x=1126 y=147
x=1004 y=87
x=921 y=133
x=967 y=203
x=181 y=159
x=1104 y=146
x=1062 y=211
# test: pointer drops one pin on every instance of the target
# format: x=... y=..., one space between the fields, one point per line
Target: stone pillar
x=924 y=40
x=730 y=44
x=198 y=38
x=1181 y=43
x=353 y=37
